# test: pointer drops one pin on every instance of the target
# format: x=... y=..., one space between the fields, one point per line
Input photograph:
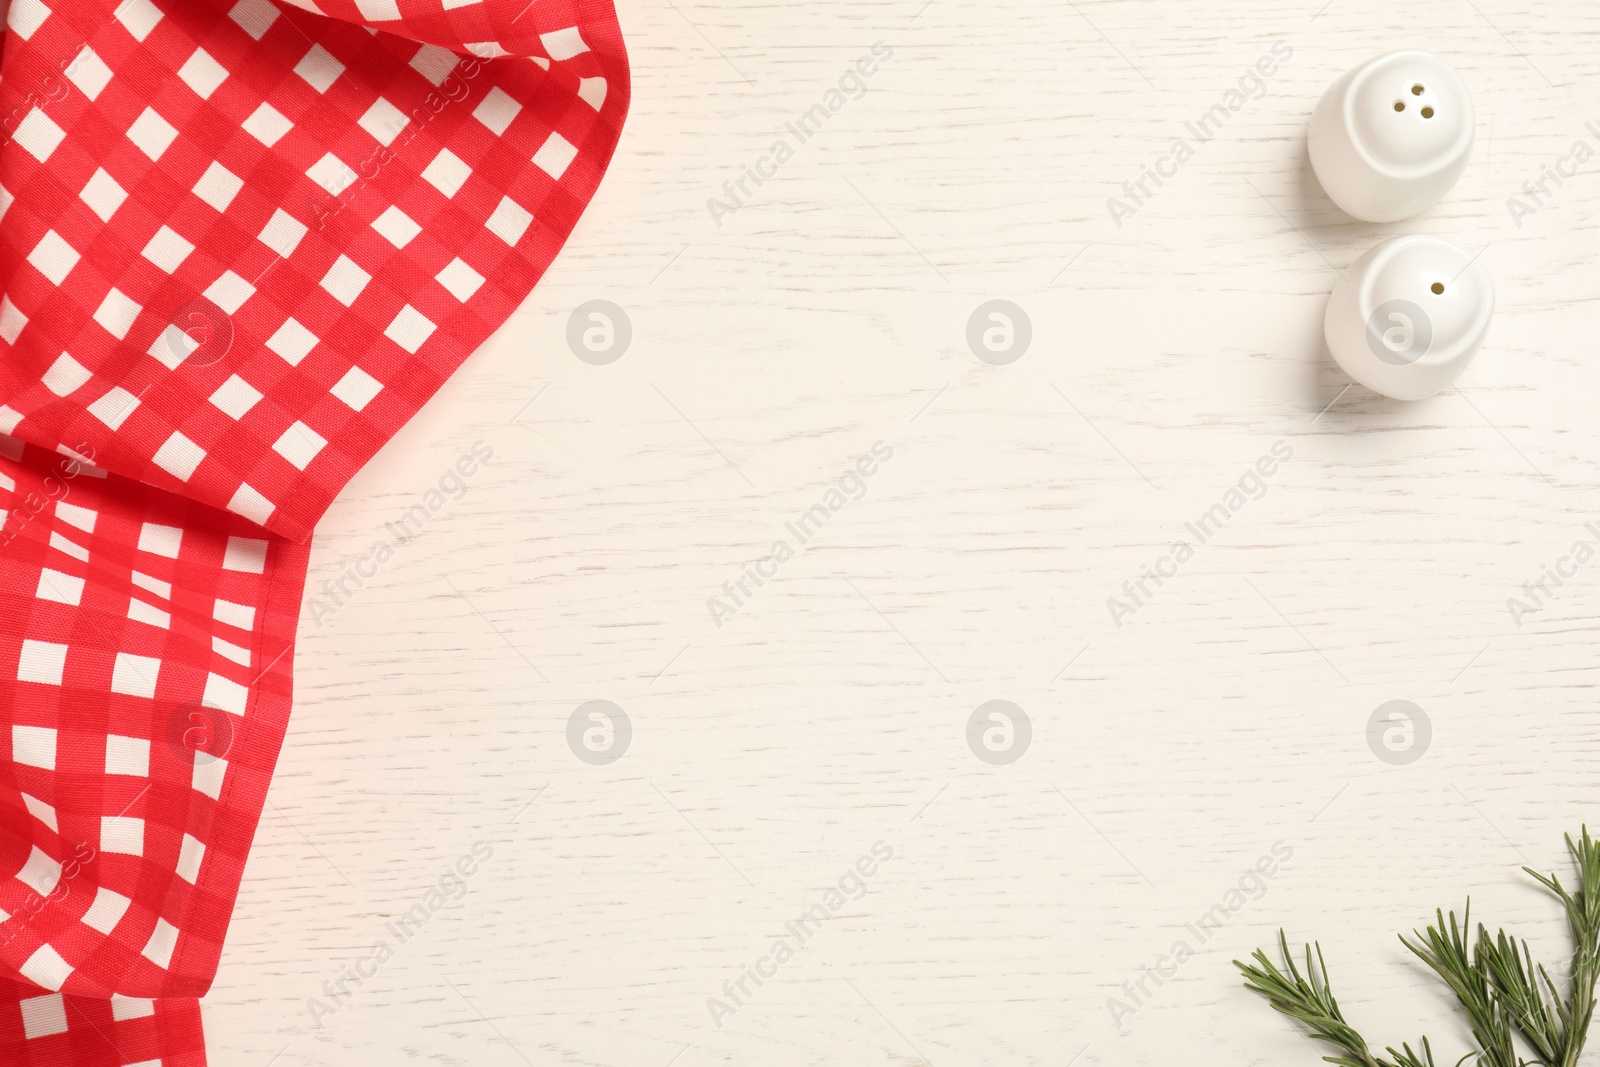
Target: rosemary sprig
x=1583 y=922
x=1520 y=987
x=1446 y=951
x=1497 y=983
x=1308 y=998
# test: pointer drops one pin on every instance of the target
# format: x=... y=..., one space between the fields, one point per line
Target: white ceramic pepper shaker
x=1389 y=138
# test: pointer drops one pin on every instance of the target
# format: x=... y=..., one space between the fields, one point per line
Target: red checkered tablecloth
x=241 y=243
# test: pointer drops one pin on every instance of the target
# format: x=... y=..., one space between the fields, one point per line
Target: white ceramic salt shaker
x=1408 y=316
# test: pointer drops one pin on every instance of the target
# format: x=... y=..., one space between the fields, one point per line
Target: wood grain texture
x=830 y=712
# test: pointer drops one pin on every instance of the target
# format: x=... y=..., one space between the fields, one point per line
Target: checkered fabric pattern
x=145 y=654
x=241 y=244
x=40 y=1029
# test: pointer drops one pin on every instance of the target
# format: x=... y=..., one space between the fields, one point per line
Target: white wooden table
x=830 y=710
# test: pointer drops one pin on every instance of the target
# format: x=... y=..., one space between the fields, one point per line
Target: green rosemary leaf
x=1308 y=998
x=1495 y=981
x=1445 y=950
x=1404 y=1057
x=1509 y=967
x=1575 y=1011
